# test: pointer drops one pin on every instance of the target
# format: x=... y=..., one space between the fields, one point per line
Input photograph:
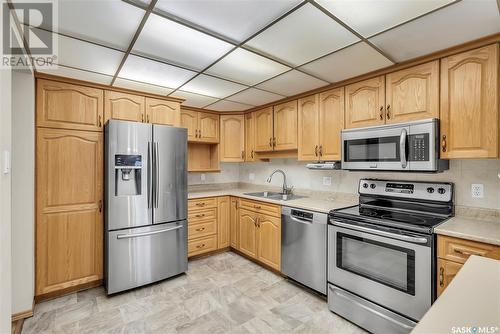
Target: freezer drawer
x=139 y=256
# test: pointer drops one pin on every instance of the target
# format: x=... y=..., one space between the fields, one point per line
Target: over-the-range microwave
x=406 y=147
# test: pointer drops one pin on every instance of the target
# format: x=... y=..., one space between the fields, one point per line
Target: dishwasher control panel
x=302 y=214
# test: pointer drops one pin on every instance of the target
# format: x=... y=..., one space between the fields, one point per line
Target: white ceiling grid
x=234 y=55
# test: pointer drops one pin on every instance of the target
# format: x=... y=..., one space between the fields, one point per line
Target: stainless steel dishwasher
x=303 y=247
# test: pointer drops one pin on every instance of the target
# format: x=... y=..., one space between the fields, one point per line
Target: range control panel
x=438 y=191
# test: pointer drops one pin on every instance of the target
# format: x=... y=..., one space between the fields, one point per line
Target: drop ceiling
x=235 y=55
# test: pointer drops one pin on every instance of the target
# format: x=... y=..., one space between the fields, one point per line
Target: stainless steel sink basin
x=274 y=195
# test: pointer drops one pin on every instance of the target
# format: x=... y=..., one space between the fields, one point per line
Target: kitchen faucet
x=285 y=190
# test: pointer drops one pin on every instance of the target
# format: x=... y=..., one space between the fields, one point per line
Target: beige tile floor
x=224 y=293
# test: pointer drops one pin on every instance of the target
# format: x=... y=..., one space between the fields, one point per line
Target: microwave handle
x=402 y=148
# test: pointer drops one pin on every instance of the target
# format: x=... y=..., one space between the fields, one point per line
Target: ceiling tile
x=207 y=85
x=167 y=40
x=347 y=63
x=153 y=72
x=456 y=24
x=141 y=86
x=369 y=17
x=224 y=105
x=246 y=67
x=302 y=36
x=291 y=83
x=99 y=21
x=194 y=100
x=237 y=20
x=78 y=74
x=255 y=97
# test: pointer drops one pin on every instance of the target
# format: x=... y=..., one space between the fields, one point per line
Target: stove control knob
x=430 y=190
x=372 y=185
x=441 y=190
x=365 y=185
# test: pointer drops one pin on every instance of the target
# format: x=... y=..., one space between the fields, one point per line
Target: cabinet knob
x=388 y=113
x=443 y=143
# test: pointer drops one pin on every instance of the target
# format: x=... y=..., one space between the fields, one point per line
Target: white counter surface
x=471 y=229
x=471 y=300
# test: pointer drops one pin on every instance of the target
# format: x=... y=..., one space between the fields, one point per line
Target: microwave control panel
x=418 y=147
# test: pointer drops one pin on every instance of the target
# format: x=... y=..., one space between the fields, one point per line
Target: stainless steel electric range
x=381 y=253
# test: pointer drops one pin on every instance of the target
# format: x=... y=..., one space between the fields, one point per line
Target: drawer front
x=202 y=229
x=202 y=245
x=202 y=215
x=261 y=207
x=202 y=203
x=459 y=250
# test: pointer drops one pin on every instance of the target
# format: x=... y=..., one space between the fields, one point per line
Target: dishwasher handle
x=301 y=221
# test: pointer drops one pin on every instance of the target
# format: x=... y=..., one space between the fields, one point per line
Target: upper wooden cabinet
x=321 y=118
x=67 y=106
x=202 y=127
x=412 y=93
x=163 y=112
x=232 y=138
x=469 y=104
x=249 y=137
x=123 y=106
x=285 y=126
x=263 y=121
x=365 y=102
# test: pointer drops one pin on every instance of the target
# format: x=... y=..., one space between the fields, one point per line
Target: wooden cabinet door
x=446 y=272
x=308 y=128
x=412 y=93
x=163 y=112
x=249 y=137
x=189 y=120
x=234 y=223
x=331 y=123
x=263 y=121
x=232 y=138
x=66 y=106
x=285 y=126
x=269 y=241
x=469 y=104
x=208 y=127
x=248 y=229
x=365 y=102
x=127 y=107
x=69 y=228
x=223 y=221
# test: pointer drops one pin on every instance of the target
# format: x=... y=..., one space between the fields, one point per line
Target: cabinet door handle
x=388 y=113
x=100 y=121
x=142 y=118
x=320 y=150
x=243 y=155
x=200 y=246
x=200 y=229
x=465 y=253
x=441 y=276
x=251 y=154
x=200 y=204
x=443 y=143
x=381 y=112
x=200 y=215
x=100 y=205
x=257 y=207
x=274 y=142
x=199 y=133
x=258 y=221
x=270 y=142
x=316 y=150
x=147 y=118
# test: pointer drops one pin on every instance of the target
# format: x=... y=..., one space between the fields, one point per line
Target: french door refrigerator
x=145 y=204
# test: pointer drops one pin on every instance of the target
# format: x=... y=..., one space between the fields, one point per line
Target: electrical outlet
x=327 y=181
x=251 y=176
x=203 y=177
x=477 y=190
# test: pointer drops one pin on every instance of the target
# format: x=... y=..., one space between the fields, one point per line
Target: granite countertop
x=471 y=300
x=471 y=229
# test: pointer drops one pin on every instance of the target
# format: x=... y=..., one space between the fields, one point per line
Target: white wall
x=23 y=190
x=462 y=172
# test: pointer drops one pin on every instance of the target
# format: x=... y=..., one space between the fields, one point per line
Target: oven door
x=390 y=272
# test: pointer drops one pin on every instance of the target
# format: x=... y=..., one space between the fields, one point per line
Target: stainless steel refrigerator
x=145 y=204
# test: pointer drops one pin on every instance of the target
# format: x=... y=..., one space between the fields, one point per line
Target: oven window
x=372 y=149
x=384 y=263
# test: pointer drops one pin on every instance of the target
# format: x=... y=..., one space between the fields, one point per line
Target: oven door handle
x=402 y=147
x=418 y=240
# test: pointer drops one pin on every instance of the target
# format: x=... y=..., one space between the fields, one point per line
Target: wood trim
x=24 y=314
x=277 y=272
x=275 y=155
x=67 y=291
x=39 y=75
x=214 y=252
x=17 y=326
x=207 y=110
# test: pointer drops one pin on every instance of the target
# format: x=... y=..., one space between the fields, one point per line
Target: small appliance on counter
x=324 y=165
x=145 y=228
x=381 y=253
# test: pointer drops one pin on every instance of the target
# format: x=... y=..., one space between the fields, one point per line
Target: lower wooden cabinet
x=446 y=272
x=223 y=223
x=234 y=224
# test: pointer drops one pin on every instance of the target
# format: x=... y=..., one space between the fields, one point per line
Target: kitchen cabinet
x=67 y=106
x=163 y=112
x=203 y=220
x=412 y=93
x=249 y=137
x=69 y=224
x=321 y=119
x=124 y=106
x=263 y=121
x=469 y=104
x=269 y=241
x=232 y=138
x=285 y=126
x=248 y=232
x=234 y=224
x=223 y=222
x=365 y=101
x=453 y=252
x=202 y=127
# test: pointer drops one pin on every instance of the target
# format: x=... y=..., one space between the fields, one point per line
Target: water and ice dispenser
x=128 y=174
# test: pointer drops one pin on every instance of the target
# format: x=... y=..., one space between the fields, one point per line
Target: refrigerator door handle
x=150 y=175
x=157 y=172
x=144 y=234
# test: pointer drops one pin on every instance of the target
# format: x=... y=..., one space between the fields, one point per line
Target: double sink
x=274 y=195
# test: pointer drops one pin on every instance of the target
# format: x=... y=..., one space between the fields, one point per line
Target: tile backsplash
x=463 y=173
